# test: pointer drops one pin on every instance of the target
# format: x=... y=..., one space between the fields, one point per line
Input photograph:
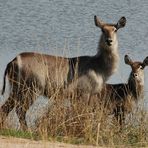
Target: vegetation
x=74 y=121
x=86 y=124
x=18 y=134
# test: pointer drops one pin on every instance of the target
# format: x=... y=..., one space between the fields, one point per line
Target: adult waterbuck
x=122 y=98
x=34 y=74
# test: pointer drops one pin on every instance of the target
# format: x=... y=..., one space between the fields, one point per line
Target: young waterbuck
x=122 y=98
x=34 y=74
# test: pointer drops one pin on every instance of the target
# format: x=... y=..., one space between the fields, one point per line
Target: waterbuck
x=34 y=74
x=122 y=98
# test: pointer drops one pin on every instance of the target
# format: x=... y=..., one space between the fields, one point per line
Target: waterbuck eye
x=115 y=30
x=141 y=67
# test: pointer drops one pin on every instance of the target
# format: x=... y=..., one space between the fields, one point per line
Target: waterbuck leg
x=21 y=109
x=6 y=108
x=119 y=115
x=122 y=117
x=21 y=113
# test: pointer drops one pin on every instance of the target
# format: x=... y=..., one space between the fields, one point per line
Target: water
x=67 y=28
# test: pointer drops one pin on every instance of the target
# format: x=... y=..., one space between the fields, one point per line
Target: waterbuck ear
x=145 y=62
x=121 y=23
x=98 y=22
x=127 y=60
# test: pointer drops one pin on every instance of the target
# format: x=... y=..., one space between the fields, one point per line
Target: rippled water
x=66 y=27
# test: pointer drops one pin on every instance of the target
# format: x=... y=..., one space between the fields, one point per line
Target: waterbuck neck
x=136 y=88
x=108 y=57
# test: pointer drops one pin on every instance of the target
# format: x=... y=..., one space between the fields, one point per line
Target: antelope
x=122 y=98
x=33 y=74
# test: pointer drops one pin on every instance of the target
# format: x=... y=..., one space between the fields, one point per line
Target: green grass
x=18 y=134
x=34 y=136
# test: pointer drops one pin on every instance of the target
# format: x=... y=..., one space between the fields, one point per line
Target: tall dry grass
x=72 y=119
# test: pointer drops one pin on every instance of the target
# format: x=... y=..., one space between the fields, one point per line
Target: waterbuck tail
x=4 y=80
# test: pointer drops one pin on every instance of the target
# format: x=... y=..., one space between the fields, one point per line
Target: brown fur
x=34 y=74
x=122 y=98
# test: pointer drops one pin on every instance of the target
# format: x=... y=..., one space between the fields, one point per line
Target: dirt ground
x=11 y=142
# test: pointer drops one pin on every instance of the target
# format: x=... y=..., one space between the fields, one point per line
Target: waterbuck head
x=137 y=73
x=109 y=31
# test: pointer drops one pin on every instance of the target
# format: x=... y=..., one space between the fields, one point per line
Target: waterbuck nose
x=109 y=40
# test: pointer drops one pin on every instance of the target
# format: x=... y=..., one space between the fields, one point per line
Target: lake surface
x=66 y=28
